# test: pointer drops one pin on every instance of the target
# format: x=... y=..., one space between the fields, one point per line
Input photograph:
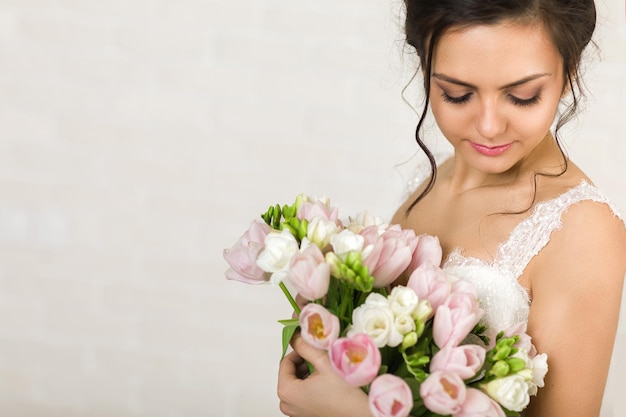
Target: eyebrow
x=524 y=80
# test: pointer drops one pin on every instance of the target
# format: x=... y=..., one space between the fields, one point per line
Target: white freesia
x=403 y=300
x=540 y=369
x=345 y=242
x=423 y=311
x=375 y=318
x=510 y=391
x=404 y=324
x=279 y=248
x=320 y=231
x=523 y=355
x=536 y=370
x=376 y=299
x=365 y=219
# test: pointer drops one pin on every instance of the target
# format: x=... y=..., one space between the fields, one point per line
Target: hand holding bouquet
x=417 y=349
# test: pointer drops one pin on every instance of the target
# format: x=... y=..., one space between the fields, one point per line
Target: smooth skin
x=494 y=95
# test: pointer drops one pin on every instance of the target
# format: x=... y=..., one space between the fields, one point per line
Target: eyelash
x=516 y=101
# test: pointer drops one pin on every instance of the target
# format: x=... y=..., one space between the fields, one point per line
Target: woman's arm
x=576 y=285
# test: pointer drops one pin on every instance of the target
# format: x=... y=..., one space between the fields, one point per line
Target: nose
x=490 y=122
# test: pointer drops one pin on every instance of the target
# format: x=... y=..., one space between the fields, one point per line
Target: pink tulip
x=390 y=396
x=243 y=255
x=431 y=283
x=311 y=209
x=443 y=393
x=319 y=326
x=372 y=246
x=464 y=360
x=428 y=250
x=455 y=319
x=309 y=273
x=398 y=248
x=479 y=404
x=391 y=253
x=357 y=359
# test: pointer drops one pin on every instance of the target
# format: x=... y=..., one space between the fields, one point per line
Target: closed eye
x=524 y=102
x=456 y=100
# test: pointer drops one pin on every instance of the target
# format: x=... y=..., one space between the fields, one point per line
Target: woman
x=513 y=214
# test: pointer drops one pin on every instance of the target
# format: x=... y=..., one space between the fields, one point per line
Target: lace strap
x=532 y=234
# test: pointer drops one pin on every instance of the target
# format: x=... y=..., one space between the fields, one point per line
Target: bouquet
x=417 y=349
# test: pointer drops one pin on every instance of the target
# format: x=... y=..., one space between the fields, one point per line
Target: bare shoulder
x=589 y=226
x=590 y=246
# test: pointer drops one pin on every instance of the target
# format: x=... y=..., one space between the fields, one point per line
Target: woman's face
x=495 y=90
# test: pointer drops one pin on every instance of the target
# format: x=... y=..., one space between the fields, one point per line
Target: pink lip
x=491 y=150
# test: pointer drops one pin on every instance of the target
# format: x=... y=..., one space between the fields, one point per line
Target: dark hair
x=569 y=23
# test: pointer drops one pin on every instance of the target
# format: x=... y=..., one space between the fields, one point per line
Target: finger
x=288 y=368
x=317 y=357
x=301 y=301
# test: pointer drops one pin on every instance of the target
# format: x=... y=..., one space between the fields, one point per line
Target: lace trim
x=532 y=234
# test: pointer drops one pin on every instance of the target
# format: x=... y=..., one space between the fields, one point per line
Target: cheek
x=534 y=122
x=451 y=121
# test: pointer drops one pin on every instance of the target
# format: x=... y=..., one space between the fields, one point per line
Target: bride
x=513 y=214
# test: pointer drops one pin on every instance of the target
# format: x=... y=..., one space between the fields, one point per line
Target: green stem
x=293 y=303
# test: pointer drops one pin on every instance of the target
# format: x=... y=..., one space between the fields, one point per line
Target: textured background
x=139 y=138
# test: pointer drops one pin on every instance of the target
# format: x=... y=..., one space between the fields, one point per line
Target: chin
x=492 y=165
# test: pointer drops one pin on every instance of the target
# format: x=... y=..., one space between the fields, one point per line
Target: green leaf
x=289 y=322
x=290 y=328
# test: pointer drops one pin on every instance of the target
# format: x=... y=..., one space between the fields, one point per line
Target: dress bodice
x=503 y=299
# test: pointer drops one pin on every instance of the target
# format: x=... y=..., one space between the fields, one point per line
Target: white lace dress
x=503 y=299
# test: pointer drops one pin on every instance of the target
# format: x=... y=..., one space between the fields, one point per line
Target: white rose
x=511 y=392
x=403 y=300
x=376 y=320
x=279 y=248
x=346 y=241
x=320 y=231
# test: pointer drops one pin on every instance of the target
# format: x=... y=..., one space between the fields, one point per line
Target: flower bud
x=500 y=369
x=503 y=349
x=334 y=262
x=301 y=198
x=423 y=310
x=419 y=328
x=516 y=364
x=410 y=339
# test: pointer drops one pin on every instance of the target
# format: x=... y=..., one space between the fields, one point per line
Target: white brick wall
x=139 y=138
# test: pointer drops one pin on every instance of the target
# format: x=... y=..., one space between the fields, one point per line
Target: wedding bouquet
x=417 y=349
